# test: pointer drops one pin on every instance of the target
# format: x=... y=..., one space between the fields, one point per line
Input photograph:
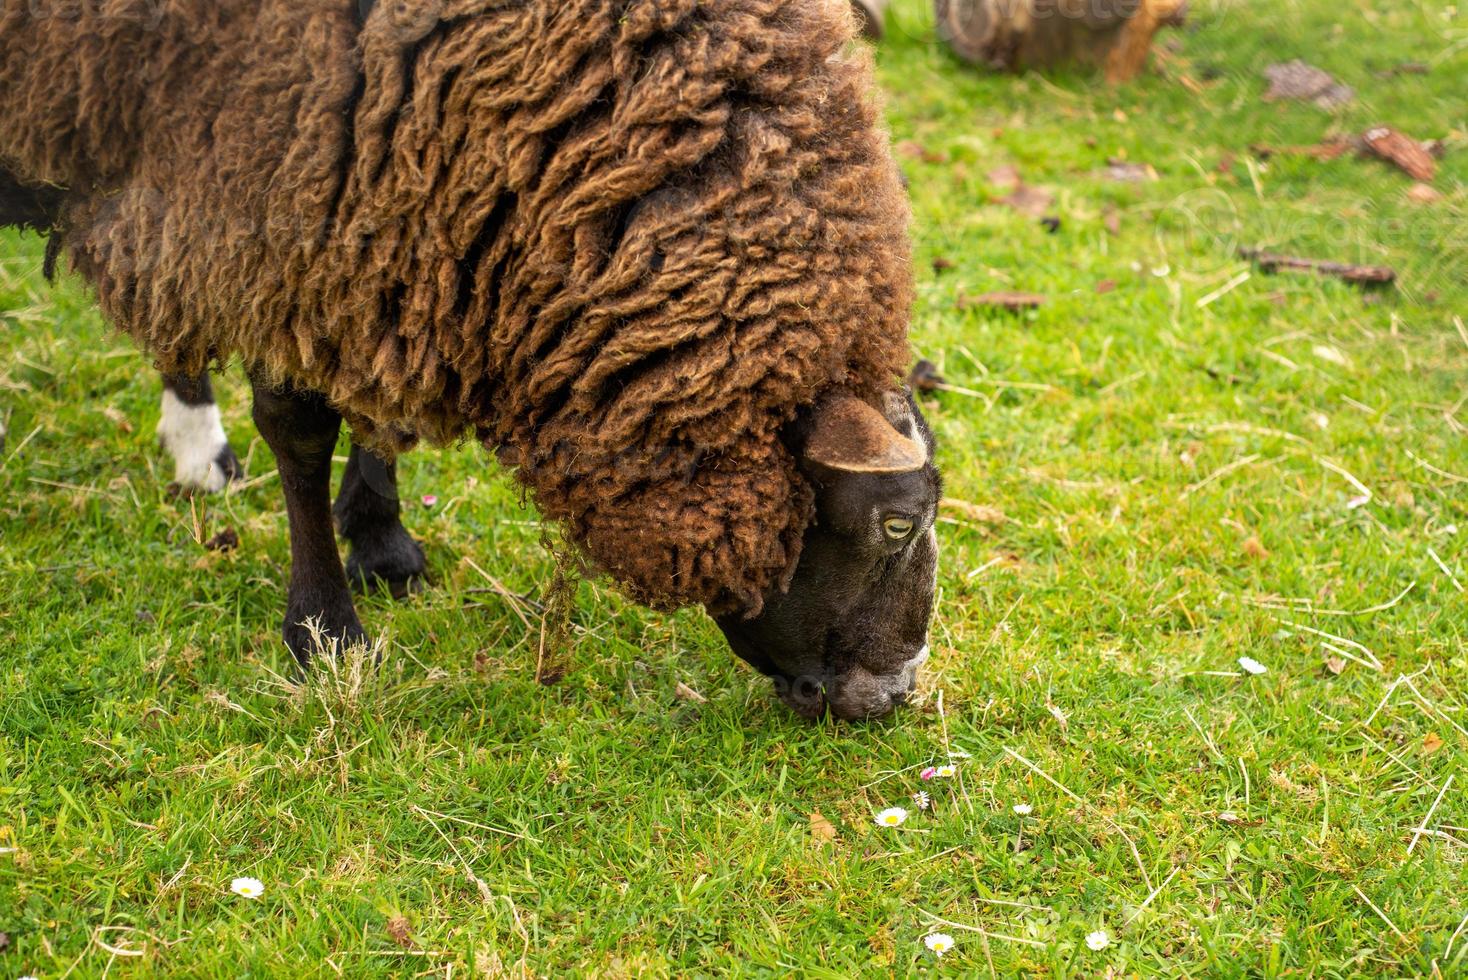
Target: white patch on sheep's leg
x=195 y=437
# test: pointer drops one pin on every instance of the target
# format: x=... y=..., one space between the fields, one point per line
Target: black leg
x=369 y=516
x=301 y=430
x=189 y=427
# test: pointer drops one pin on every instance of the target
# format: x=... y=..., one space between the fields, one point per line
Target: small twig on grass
x=1359 y=275
x=1422 y=827
x=1379 y=912
x=983 y=932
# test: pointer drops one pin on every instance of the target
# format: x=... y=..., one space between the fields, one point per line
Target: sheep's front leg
x=189 y=427
x=369 y=515
x=301 y=430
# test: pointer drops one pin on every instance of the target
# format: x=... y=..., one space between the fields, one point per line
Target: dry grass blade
x=1146 y=878
x=1379 y=912
x=983 y=932
x=1422 y=827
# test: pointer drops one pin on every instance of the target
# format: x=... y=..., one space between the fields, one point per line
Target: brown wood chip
x=1402 y=150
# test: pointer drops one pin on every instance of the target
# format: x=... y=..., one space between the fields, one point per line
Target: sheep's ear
x=848 y=434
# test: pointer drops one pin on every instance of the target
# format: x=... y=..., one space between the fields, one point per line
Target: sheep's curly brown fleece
x=622 y=242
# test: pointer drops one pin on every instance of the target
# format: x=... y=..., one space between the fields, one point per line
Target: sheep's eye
x=897 y=528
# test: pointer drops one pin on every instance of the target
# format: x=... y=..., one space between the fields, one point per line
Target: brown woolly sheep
x=651 y=252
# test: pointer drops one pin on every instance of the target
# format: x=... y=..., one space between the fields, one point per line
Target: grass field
x=1166 y=473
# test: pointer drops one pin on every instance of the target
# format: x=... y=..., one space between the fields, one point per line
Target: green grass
x=149 y=751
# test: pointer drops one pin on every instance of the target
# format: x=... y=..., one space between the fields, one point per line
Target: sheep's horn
x=850 y=435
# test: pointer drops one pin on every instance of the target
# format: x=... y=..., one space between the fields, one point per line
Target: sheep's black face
x=851 y=631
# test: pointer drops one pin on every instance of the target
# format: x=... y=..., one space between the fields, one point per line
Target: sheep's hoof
x=230 y=465
x=395 y=563
x=308 y=638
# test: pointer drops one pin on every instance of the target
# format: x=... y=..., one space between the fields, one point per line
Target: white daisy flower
x=893 y=816
x=247 y=887
x=938 y=942
x=946 y=772
x=1023 y=809
x=1252 y=666
x=922 y=800
x=1098 y=940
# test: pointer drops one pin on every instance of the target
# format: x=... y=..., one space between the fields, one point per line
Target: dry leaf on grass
x=1254 y=548
x=400 y=931
x=1033 y=201
x=821 y=829
x=1302 y=81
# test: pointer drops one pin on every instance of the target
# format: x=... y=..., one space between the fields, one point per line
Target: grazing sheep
x=651 y=252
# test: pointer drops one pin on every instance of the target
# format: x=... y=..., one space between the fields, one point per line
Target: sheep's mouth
x=805 y=697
